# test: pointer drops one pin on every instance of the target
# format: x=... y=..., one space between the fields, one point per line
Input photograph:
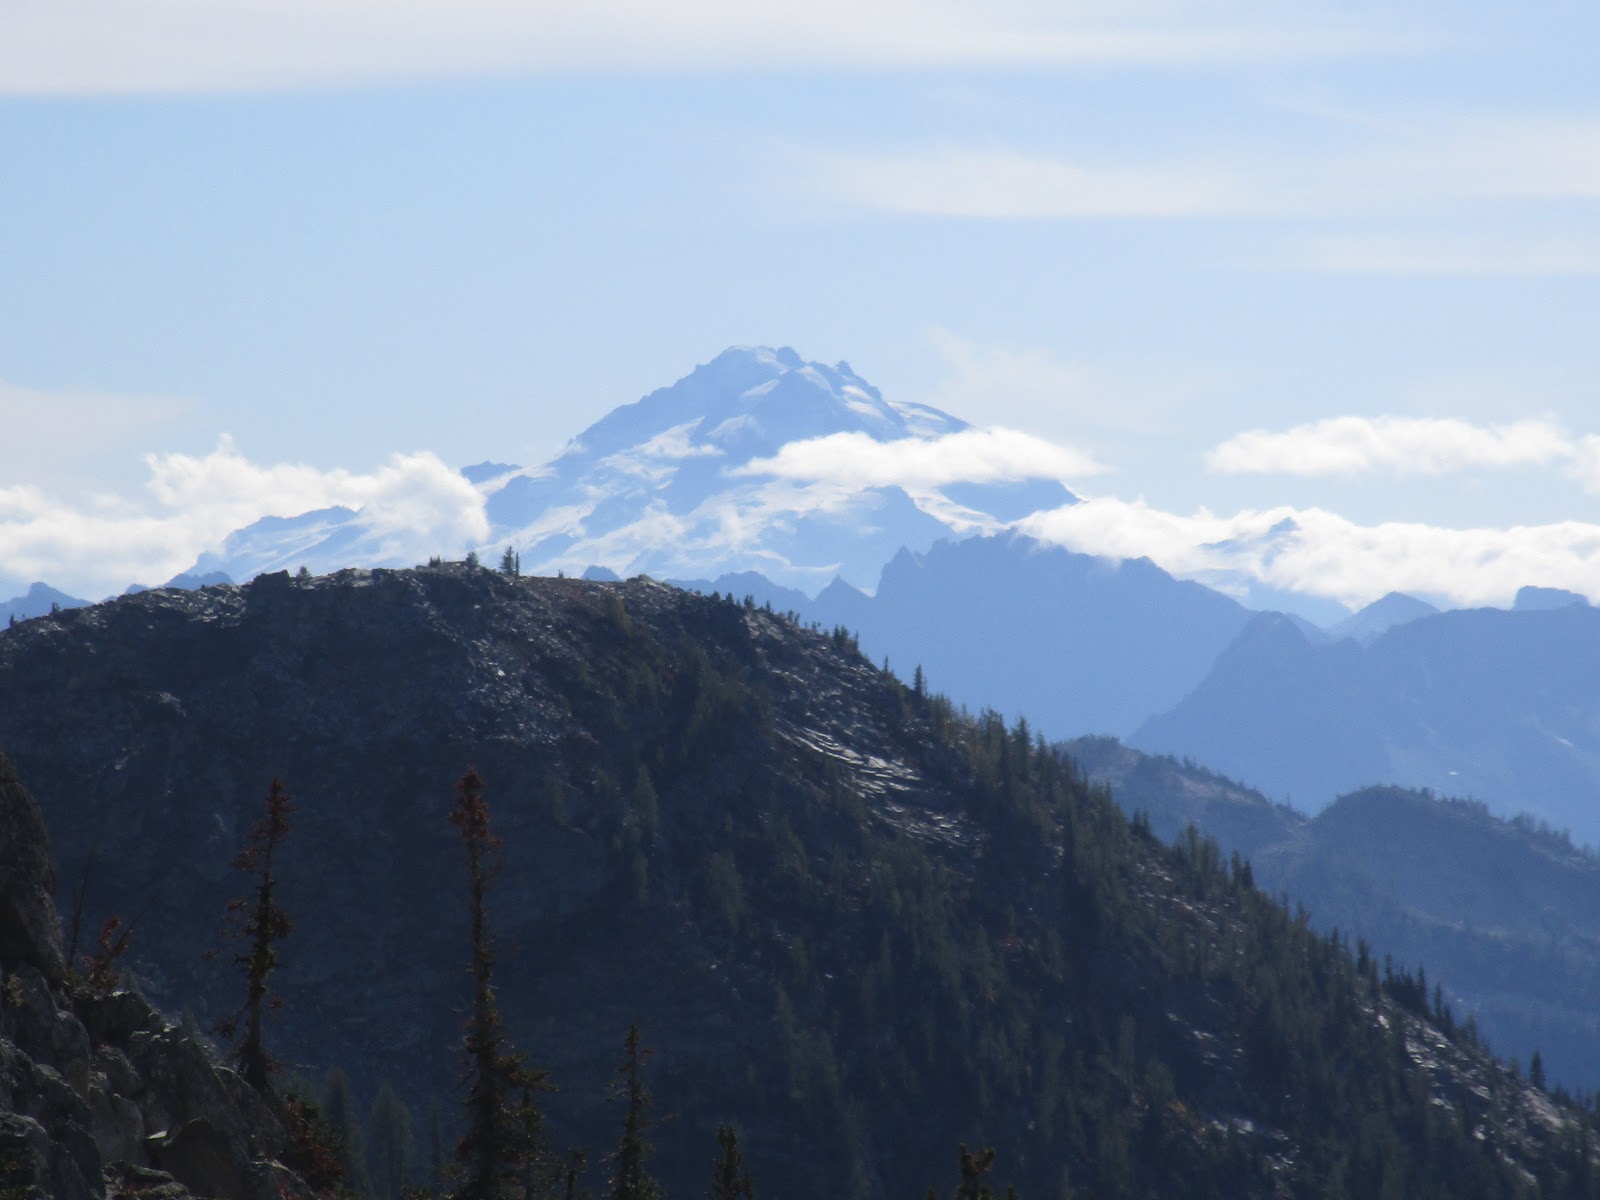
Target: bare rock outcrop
x=100 y=1095
x=29 y=932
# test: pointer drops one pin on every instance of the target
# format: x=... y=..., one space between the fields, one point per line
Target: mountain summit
x=756 y=460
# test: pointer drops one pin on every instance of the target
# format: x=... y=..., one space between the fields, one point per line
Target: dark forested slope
x=1505 y=914
x=861 y=925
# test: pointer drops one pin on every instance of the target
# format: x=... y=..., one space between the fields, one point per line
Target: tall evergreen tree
x=577 y=1162
x=391 y=1150
x=262 y=921
x=438 y=1156
x=344 y=1123
x=503 y=1146
x=729 y=1179
x=975 y=1170
x=974 y=1183
x=632 y=1180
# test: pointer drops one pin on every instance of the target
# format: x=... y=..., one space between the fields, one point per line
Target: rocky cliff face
x=29 y=933
x=99 y=1094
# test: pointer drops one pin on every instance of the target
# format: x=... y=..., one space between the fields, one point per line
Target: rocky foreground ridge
x=100 y=1095
x=858 y=923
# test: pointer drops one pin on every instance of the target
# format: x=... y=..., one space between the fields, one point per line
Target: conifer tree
x=974 y=1185
x=729 y=1179
x=392 y=1151
x=632 y=1180
x=577 y=1161
x=438 y=1157
x=975 y=1170
x=344 y=1123
x=503 y=1146
x=264 y=923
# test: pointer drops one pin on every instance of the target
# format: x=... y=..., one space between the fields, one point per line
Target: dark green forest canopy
x=863 y=925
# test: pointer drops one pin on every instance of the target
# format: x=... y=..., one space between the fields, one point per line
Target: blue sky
x=1364 y=234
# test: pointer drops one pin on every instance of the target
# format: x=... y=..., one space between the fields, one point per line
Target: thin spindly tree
x=502 y=1153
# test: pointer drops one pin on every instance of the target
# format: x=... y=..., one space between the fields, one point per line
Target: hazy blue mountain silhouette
x=36 y=602
x=1493 y=704
x=1380 y=616
x=760 y=590
x=1542 y=599
x=1073 y=642
x=187 y=581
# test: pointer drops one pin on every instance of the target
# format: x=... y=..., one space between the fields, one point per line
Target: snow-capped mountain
x=726 y=470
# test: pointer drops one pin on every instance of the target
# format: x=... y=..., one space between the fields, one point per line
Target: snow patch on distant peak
x=674 y=443
x=730 y=427
x=700 y=477
x=923 y=421
x=784 y=356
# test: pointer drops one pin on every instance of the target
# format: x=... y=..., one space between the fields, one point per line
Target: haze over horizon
x=1235 y=265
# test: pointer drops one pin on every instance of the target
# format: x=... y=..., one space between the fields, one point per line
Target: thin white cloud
x=1466 y=256
x=412 y=505
x=1320 y=553
x=1397 y=445
x=1393 y=168
x=1546 y=157
x=970 y=456
x=1035 y=387
x=65 y=46
x=34 y=448
x=1401 y=159
x=1004 y=185
x=1586 y=462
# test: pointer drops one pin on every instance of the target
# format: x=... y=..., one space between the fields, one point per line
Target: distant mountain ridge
x=1505 y=915
x=1382 y=615
x=697 y=482
x=39 y=599
x=1488 y=703
x=1074 y=643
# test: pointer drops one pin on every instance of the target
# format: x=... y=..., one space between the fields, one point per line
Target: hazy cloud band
x=1428 y=446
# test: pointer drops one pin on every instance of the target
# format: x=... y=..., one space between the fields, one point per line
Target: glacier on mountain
x=688 y=481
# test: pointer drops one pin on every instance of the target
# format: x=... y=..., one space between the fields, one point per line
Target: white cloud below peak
x=992 y=455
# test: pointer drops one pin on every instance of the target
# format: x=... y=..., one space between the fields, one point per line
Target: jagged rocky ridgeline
x=99 y=1093
x=851 y=919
